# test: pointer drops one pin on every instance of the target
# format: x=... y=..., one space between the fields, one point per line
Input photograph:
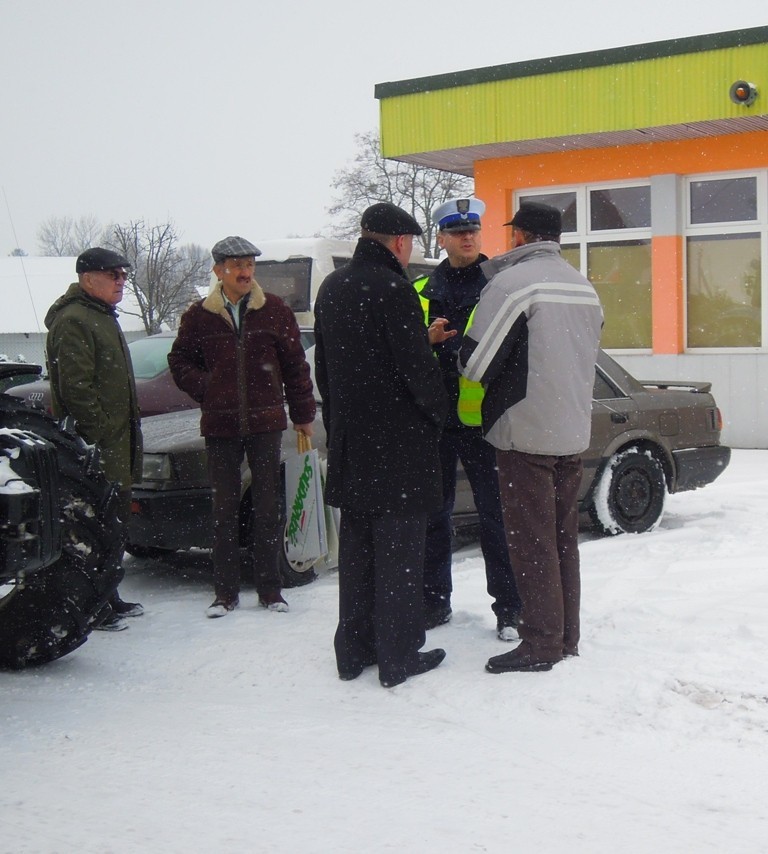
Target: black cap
x=97 y=259
x=538 y=218
x=234 y=247
x=386 y=218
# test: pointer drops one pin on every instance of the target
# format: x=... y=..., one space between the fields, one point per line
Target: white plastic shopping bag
x=305 y=529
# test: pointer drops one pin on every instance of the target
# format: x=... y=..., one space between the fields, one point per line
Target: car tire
x=630 y=494
x=292 y=574
x=51 y=612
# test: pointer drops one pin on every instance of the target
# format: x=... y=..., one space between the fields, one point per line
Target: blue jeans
x=478 y=458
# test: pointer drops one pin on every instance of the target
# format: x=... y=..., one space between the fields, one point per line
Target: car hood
x=174 y=431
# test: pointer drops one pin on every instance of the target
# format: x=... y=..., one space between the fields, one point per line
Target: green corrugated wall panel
x=667 y=91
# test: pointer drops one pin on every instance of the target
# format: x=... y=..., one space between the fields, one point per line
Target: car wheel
x=630 y=494
x=292 y=573
x=154 y=552
x=50 y=612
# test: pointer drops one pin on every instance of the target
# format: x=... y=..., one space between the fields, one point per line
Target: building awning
x=656 y=92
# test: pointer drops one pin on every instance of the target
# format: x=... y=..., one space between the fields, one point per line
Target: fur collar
x=214 y=302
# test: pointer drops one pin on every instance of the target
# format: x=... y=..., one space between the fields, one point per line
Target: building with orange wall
x=657 y=155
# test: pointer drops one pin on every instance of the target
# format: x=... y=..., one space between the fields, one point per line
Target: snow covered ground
x=192 y=735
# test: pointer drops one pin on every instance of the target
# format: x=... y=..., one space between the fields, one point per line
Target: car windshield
x=150 y=355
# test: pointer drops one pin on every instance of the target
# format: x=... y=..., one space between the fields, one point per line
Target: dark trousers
x=479 y=461
x=124 y=499
x=381 y=618
x=225 y=457
x=539 y=499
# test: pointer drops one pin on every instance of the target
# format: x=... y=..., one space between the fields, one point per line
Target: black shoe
x=112 y=622
x=125 y=609
x=354 y=671
x=434 y=617
x=424 y=663
x=571 y=653
x=518 y=662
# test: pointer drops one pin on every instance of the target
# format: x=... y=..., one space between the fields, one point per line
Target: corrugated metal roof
x=574 y=61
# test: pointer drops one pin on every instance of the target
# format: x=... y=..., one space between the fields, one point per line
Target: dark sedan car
x=155 y=388
x=648 y=439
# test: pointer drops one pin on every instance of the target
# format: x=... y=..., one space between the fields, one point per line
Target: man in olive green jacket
x=92 y=380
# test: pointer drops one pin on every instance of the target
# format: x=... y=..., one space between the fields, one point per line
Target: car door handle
x=619 y=418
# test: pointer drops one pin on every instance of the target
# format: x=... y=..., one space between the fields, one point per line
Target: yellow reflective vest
x=470 y=393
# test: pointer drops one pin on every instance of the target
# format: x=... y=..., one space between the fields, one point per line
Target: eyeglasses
x=116 y=275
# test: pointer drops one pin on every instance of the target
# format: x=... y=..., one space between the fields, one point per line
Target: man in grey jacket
x=533 y=345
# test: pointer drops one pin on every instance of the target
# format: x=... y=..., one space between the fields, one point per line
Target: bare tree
x=166 y=276
x=373 y=179
x=65 y=236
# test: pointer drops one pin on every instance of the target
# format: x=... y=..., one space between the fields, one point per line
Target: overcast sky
x=229 y=116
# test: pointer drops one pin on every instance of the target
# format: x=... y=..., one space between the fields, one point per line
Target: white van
x=294 y=268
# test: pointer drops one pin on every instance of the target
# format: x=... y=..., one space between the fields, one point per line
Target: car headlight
x=156 y=467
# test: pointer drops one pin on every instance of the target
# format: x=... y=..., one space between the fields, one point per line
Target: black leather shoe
x=518 y=662
x=434 y=617
x=355 y=671
x=424 y=663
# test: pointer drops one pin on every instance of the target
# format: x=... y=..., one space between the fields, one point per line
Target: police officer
x=448 y=299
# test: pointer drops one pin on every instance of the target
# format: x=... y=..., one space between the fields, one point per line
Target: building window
x=724 y=245
x=607 y=237
x=566 y=202
x=619 y=208
x=724 y=305
x=620 y=270
x=724 y=200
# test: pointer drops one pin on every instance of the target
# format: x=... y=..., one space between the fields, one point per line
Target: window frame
x=585 y=236
x=738 y=227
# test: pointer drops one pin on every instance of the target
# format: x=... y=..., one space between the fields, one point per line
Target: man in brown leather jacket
x=239 y=355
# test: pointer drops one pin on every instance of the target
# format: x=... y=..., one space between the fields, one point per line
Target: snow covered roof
x=30 y=285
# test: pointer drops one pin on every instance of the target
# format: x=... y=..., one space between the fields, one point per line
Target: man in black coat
x=384 y=404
